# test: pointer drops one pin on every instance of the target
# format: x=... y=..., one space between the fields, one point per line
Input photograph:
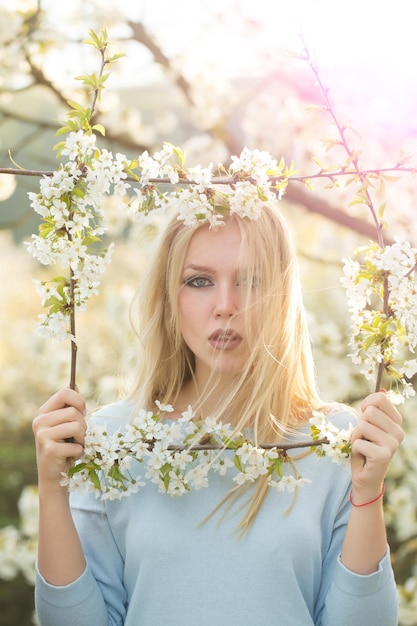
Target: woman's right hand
x=59 y=431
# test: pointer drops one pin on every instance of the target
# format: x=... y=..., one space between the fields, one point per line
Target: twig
x=230 y=180
x=263 y=446
x=361 y=174
x=385 y=309
x=73 y=367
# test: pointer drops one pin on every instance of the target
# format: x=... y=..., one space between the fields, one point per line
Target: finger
x=63 y=398
x=59 y=444
x=381 y=450
x=376 y=426
x=57 y=447
x=52 y=419
x=372 y=445
x=380 y=401
x=55 y=458
x=73 y=431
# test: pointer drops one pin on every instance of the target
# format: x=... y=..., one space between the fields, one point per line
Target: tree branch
x=141 y=35
x=41 y=79
x=264 y=446
x=313 y=204
x=294 y=194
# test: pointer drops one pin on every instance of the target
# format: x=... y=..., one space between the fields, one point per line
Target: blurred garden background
x=212 y=77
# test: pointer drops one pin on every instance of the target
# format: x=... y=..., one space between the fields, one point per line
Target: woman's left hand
x=375 y=440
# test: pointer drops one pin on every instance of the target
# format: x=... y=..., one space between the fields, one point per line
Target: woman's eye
x=198 y=281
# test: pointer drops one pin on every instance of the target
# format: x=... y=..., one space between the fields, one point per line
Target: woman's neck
x=206 y=401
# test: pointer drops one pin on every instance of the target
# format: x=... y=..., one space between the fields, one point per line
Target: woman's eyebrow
x=199 y=268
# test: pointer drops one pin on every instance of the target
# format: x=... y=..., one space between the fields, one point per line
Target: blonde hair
x=276 y=391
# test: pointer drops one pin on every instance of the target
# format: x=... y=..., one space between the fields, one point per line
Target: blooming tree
x=380 y=283
x=70 y=201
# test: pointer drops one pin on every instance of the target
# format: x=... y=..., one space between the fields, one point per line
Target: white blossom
x=79 y=145
x=201 y=176
x=337 y=447
x=382 y=332
x=288 y=483
x=160 y=451
x=197 y=476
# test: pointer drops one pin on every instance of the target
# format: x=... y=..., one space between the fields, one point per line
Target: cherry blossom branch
x=96 y=94
x=74 y=348
x=385 y=308
x=353 y=157
x=70 y=204
x=263 y=446
x=179 y=459
x=230 y=180
x=363 y=195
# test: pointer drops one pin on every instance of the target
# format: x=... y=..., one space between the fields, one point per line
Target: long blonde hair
x=276 y=391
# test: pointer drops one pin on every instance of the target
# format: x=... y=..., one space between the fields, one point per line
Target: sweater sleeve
x=344 y=597
x=362 y=600
x=98 y=596
x=348 y=598
x=79 y=603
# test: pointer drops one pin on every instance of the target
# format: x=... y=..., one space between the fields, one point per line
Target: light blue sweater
x=151 y=563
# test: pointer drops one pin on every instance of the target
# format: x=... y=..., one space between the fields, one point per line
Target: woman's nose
x=225 y=304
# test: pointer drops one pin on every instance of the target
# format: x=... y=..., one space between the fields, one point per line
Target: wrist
x=359 y=499
x=53 y=490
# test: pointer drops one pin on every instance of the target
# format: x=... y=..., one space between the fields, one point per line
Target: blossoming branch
x=180 y=455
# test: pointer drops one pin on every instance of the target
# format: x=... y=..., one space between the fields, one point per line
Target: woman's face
x=211 y=299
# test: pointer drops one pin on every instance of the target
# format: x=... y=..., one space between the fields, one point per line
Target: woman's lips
x=225 y=339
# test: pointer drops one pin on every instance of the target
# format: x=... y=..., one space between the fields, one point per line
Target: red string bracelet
x=381 y=495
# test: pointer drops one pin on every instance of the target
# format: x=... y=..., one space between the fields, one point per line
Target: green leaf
x=100 y=129
x=390 y=178
x=177 y=151
x=90 y=239
x=278 y=467
x=369 y=342
x=96 y=41
x=166 y=480
x=59 y=146
x=346 y=448
x=356 y=201
x=78 y=467
x=75 y=105
x=102 y=79
x=45 y=229
x=116 y=475
x=238 y=463
x=116 y=57
x=70 y=126
x=381 y=210
x=87 y=79
x=315 y=432
x=60 y=279
x=79 y=193
x=94 y=479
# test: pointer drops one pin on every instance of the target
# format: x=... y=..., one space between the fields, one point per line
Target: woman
x=222 y=329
